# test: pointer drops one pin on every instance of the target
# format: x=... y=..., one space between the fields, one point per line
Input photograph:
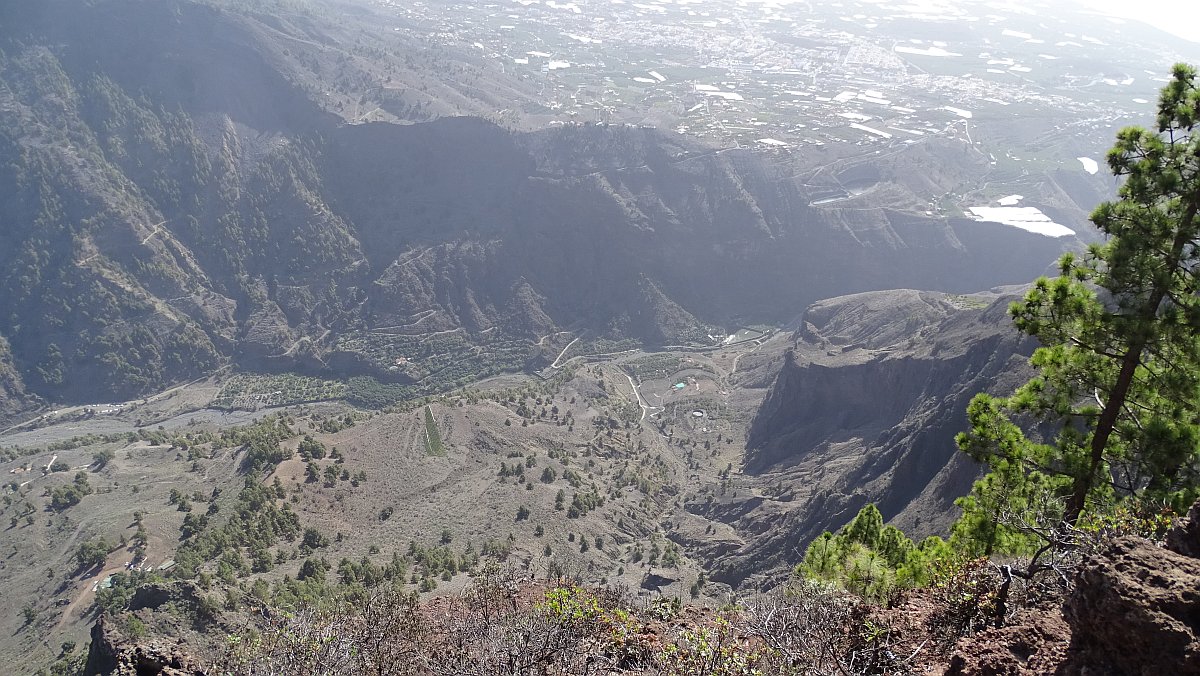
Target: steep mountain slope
x=12 y=386
x=194 y=198
x=865 y=409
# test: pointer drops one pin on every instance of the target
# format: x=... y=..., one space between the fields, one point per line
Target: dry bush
x=501 y=625
x=813 y=628
x=964 y=595
x=505 y=624
x=971 y=595
x=486 y=639
x=382 y=637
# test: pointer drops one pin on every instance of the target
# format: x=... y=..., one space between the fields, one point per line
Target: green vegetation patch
x=255 y=524
x=603 y=346
x=433 y=437
x=968 y=302
x=437 y=362
x=426 y=366
x=251 y=391
x=661 y=366
x=870 y=559
x=655 y=366
x=367 y=392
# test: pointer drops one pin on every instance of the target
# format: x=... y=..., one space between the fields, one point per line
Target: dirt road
x=86 y=594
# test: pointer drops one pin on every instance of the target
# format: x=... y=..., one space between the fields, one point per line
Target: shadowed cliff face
x=865 y=409
x=604 y=222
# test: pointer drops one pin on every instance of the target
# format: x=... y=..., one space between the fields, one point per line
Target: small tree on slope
x=1113 y=409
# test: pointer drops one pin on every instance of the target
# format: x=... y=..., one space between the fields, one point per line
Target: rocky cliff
x=1133 y=608
x=864 y=409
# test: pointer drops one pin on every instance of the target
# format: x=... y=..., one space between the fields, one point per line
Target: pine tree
x=869 y=558
x=1117 y=391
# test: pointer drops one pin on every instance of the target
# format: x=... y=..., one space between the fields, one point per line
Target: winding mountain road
x=556 y=365
x=646 y=407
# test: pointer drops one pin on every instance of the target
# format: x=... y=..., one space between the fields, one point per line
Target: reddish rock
x=1136 y=610
x=1037 y=645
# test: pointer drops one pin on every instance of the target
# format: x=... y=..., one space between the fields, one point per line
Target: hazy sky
x=1175 y=16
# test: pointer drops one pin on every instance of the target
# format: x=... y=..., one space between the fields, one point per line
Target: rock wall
x=865 y=409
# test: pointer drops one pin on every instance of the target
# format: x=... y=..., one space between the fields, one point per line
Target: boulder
x=1184 y=537
x=1036 y=646
x=1135 y=609
x=112 y=653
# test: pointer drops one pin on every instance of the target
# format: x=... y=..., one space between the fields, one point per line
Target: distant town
x=778 y=75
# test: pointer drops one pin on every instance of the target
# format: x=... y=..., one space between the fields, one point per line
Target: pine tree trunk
x=1083 y=483
x=1104 y=427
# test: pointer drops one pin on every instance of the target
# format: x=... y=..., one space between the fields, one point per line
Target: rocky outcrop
x=1184 y=538
x=865 y=409
x=1136 y=610
x=1038 y=646
x=112 y=653
x=864 y=364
